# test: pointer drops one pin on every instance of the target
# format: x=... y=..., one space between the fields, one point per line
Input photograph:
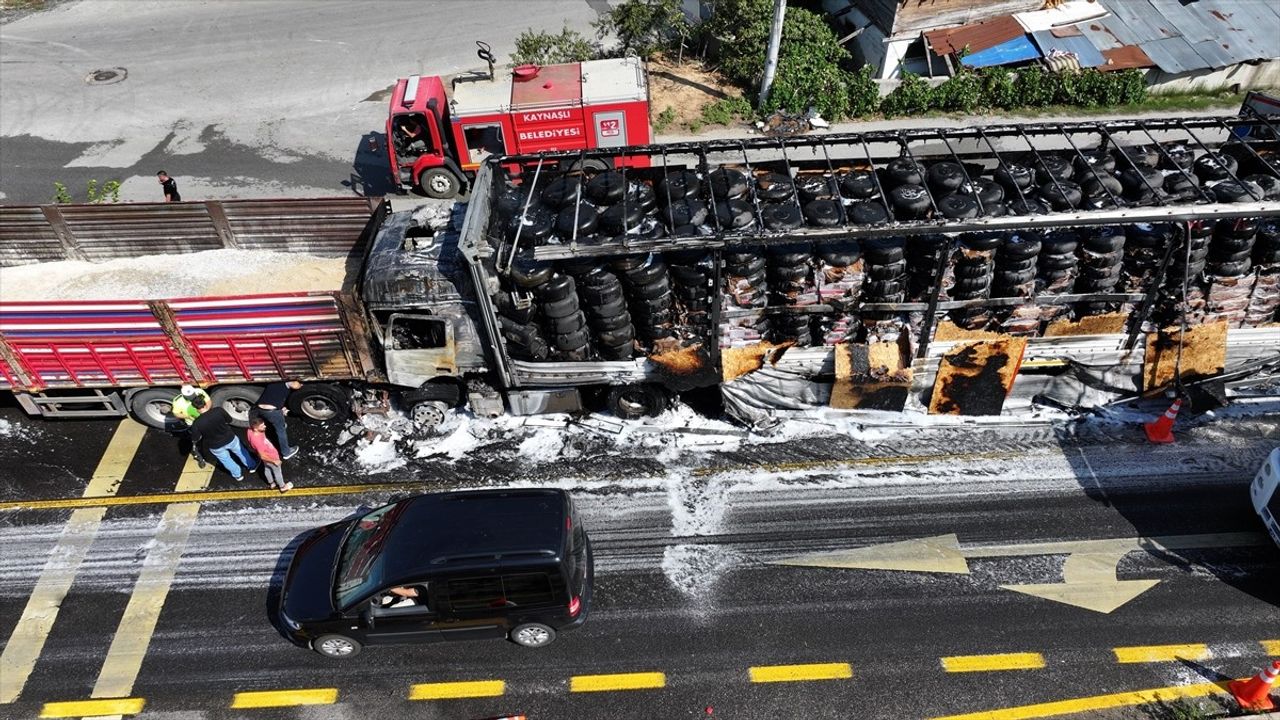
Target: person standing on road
x=267 y=453
x=183 y=409
x=170 y=187
x=272 y=407
x=213 y=428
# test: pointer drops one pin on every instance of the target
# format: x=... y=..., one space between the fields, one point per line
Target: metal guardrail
x=330 y=227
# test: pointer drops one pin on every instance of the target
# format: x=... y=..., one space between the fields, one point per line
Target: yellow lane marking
x=1161 y=653
x=1270 y=647
x=619 y=681
x=1096 y=702
x=454 y=690
x=93 y=708
x=983 y=663
x=32 y=629
x=811 y=464
x=284 y=698
x=797 y=673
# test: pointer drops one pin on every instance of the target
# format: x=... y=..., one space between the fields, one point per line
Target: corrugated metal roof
x=1079 y=45
x=1182 y=36
x=1124 y=57
x=976 y=37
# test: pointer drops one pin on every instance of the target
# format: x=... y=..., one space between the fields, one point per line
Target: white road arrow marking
x=1088 y=574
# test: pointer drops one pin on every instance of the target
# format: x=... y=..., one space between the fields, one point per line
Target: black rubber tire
x=614 y=306
x=1144 y=235
x=687 y=271
x=576 y=220
x=522 y=635
x=562 y=191
x=1015 y=265
x=1013 y=278
x=1092 y=260
x=1051 y=167
x=945 y=176
x=561 y=308
x=651 y=306
x=237 y=400
x=904 y=171
x=566 y=324
x=970 y=270
x=1012 y=176
x=684 y=211
x=1059 y=241
x=533 y=226
x=867 y=212
x=336 y=647
x=439 y=183
x=780 y=274
x=973 y=286
x=152 y=407
x=1269 y=184
x=608 y=323
x=1027 y=206
x=982 y=241
x=958 y=207
x=1056 y=261
x=1136 y=181
x=892 y=271
x=320 y=403
x=1215 y=166
x=781 y=217
x=571 y=341
x=602 y=295
x=1103 y=186
x=624 y=334
x=734 y=214
x=649 y=272
x=651 y=290
x=677 y=185
x=641 y=195
x=822 y=212
x=727 y=182
x=623 y=351
x=986 y=190
x=1104 y=241
x=632 y=402
x=1176 y=156
x=789 y=254
x=1227 y=245
x=1062 y=195
x=1266 y=257
x=1101 y=273
x=1181 y=187
x=774 y=187
x=620 y=219
x=881 y=288
x=858 y=185
x=1233 y=191
x=1218 y=258
x=606 y=188
x=557 y=287
x=1144 y=156
x=1239 y=227
x=1230 y=269
x=812 y=187
x=840 y=254
x=910 y=201
x=746 y=269
x=883 y=250
x=1089 y=162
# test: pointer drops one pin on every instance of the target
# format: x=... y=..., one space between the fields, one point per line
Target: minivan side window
x=496 y=592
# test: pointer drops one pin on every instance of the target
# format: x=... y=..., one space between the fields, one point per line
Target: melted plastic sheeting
x=751 y=398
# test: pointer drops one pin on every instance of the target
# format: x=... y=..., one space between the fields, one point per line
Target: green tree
x=645 y=27
x=544 y=48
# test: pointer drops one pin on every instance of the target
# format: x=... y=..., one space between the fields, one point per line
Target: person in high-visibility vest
x=184 y=409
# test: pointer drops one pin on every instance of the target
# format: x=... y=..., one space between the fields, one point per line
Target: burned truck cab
x=421 y=312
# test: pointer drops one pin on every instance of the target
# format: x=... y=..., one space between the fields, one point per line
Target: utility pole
x=775 y=40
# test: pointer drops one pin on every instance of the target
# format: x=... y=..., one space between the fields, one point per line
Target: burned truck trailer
x=914 y=270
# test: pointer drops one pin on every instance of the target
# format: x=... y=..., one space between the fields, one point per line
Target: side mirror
x=373 y=144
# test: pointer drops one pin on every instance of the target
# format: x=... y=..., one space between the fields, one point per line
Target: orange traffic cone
x=1160 y=430
x=1255 y=693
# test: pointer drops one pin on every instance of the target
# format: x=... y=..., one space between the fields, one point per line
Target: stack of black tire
x=648 y=297
x=779 y=208
x=600 y=292
x=1228 y=270
x=1101 y=261
x=861 y=192
x=903 y=179
x=974 y=272
x=746 y=288
x=1173 y=305
x=1015 y=277
x=840 y=276
x=518 y=310
x=885 y=265
x=1265 y=301
x=922 y=262
x=734 y=213
x=1144 y=248
x=563 y=322
x=791 y=283
x=1056 y=269
x=693 y=283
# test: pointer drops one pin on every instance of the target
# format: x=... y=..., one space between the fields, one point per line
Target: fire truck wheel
x=774 y=186
x=858 y=184
x=320 y=403
x=636 y=401
x=868 y=212
x=152 y=406
x=428 y=414
x=237 y=400
x=563 y=307
x=439 y=183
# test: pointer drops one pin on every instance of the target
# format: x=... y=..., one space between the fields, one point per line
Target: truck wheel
x=237 y=400
x=637 y=401
x=439 y=183
x=152 y=406
x=321 y=403
x=428 y=415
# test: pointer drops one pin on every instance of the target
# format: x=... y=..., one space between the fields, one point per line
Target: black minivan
x=445 y=566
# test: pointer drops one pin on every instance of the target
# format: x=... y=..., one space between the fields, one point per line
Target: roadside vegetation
x=109 y=192
x=816 y=73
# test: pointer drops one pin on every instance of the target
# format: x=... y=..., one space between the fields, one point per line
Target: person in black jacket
x=271 y=407
x=213 y=428
x=170 y=187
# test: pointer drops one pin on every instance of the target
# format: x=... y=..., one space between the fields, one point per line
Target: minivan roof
x=443 y=531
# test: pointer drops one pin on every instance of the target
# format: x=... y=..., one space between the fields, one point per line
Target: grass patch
x=22 y=4
x=664 y=119
x=726 y=111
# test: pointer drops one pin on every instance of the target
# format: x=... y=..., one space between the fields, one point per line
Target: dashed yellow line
x=1089 y=704
x=284 y=698
x=852 y=462
x=92 y=708
x=618 y=681
x=1161 y=653
x=800 y=673
x=987 y=663
x=209 y=496
x=455 y=690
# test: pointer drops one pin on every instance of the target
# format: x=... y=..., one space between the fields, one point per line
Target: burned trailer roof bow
x=903 y=239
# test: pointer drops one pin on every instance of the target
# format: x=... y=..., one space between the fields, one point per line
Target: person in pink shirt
x=270 y=456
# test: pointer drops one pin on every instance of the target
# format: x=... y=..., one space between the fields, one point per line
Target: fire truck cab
x=437 y=142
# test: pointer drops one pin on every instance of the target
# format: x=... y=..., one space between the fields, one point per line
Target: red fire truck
x=437 y=142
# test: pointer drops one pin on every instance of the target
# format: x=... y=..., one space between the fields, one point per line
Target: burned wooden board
x=950 y=332
x=875 y=376
x=736 y=362
x=684 y=368
x=975 y=378
x=1108 y=324
x=1204 y=353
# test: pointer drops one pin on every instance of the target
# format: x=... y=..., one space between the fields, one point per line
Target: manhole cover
x=106 y=76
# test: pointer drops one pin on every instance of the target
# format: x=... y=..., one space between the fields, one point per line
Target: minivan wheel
x=336 y=646
x=532 y=635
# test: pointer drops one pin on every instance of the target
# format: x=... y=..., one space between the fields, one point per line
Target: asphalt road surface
x=901 y=608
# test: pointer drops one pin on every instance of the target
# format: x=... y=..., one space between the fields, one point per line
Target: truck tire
x=774 y=186
x=439 y=183
x=561 y=308
x=727 y=183
x=567 y=324
x=151 y=406
x=237 y=400
x=447 y=392
x=677 y=185
x=606 y=188
x=868 y=212
x=319 y=403
x=561 y=192
x=428 y=414
x=636 y=401
x=781 y=217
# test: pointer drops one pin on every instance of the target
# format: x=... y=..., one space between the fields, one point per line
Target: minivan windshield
x=359 y=569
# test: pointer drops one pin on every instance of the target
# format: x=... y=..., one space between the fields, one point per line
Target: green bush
x=912 y=96
x=544 y=48
x=961 y=92
x=998 y=90
x=1132 y=86
x=724 y=112
x=664 y=119
x=741 y=27
x=644 y=27
x=864 y=93
x=1034 y=87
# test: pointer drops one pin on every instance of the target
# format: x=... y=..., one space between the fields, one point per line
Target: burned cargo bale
x=875 y=376
x=1107 y=324
x=975 y=378
x=738 y=361
x=1204 y=354
x=684 y=368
